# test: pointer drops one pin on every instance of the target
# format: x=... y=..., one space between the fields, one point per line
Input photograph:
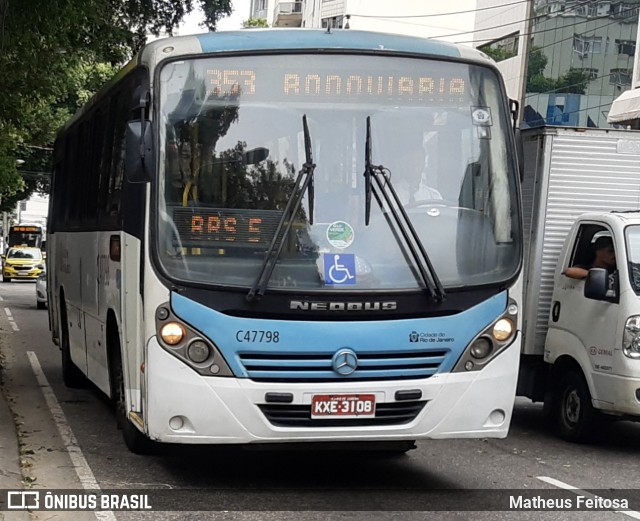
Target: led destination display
x=208 y=227
x=332 y=86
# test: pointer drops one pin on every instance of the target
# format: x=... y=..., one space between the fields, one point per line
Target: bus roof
x=302 y=39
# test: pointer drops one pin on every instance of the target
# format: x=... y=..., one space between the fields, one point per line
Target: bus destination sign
x=326 y=86
x=216 y=227
x=26 y=229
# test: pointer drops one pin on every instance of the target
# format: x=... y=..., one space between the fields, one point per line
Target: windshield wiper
x=303 y=183
x=379 y=184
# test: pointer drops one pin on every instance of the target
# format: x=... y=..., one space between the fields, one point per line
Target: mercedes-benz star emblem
x=345 y=362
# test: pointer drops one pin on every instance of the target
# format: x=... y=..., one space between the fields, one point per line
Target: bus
x=232 y=258
x=31 y=235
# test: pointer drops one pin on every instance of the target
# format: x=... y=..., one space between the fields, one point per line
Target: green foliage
x=255 y=22
x=539 y=83
x=498 y=54
x=574 y=81
x=537 y=62
x=55 y=56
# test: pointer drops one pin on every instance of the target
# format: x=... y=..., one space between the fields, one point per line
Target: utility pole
x=5 y=231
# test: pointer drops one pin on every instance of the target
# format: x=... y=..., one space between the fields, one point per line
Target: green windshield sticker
x=340 y=235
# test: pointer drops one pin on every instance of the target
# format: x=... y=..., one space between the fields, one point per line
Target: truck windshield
x=232 y=146
x=632 y=236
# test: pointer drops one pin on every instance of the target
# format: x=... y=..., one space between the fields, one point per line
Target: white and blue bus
x=287 y=236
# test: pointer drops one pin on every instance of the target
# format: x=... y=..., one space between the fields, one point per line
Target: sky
x=230 y=23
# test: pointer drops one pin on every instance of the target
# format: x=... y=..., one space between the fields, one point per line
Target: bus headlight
x=480 y=348
x=198 y=351
x=631 y=337
x=172 y=333
x=193 y=348
x=490 y=342
x=503 y=329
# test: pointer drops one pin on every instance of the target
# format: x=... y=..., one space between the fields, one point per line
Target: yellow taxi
x=22 y=263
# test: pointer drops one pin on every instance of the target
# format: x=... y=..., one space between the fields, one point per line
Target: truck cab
x=592 y=344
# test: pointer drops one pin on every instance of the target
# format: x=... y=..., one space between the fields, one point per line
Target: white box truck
x=581 y=348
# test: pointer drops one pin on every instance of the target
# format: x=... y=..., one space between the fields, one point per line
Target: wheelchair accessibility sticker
x=339 y=268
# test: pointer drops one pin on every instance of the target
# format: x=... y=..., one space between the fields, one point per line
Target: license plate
x=343 y=405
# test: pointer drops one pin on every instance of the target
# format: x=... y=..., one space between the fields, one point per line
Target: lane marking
x=83 y=471
x=13 y=323
x=581 y=492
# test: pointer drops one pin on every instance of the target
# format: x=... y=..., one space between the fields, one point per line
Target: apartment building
x=410 y=17
x=565 y=60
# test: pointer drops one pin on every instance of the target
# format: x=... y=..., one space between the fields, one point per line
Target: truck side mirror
x=597 y=284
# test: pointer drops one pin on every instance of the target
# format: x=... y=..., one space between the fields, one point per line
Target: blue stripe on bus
x=249 y=40
x=404 y=348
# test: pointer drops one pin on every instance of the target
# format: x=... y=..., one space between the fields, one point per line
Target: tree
x=254 y=22
x=574 y=81
x=56 y=54
x=537 y=62
x=497 y=53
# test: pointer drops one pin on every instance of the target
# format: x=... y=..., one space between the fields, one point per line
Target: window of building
x=556 y=7
x=587 y=44
x=502 y=49
x=620 y=77
x=335 y=22
x=627 y=47
x=584 y=10
x=624 y=11
x=590 y=72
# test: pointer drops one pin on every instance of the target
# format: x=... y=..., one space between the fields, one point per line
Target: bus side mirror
x=255 y=155
x=138 y=165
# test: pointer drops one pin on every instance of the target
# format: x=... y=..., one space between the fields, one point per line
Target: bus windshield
x=233 y=143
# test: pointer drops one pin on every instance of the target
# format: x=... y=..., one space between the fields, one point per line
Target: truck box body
x=568 y=172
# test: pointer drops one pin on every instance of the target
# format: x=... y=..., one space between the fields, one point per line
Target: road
x=70 y=441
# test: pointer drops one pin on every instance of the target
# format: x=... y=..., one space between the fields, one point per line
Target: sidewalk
x=10 y=472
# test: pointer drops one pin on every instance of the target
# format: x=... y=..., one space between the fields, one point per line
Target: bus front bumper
x=184 y=407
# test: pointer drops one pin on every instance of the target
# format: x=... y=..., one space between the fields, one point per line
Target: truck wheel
x=135 y=440
x=575 y=415
x=71 y=375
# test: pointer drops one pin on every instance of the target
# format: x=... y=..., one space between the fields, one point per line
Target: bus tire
x=575 y=417
x=71 y=375
x=136 y=441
